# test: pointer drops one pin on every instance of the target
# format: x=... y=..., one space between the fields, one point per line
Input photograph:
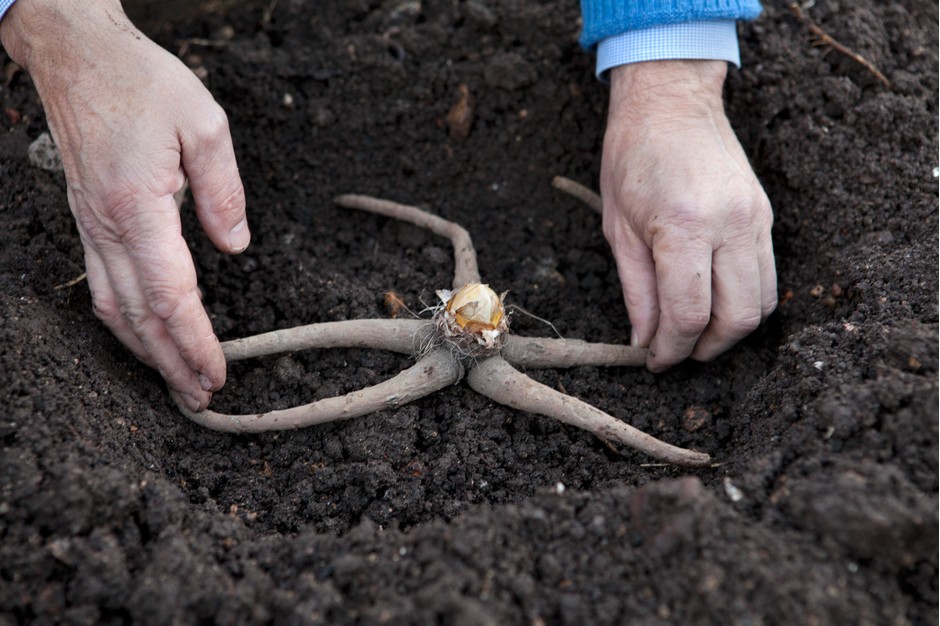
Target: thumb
x=208 y=158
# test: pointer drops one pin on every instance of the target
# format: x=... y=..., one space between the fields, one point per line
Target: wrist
x=669 y=87
x=46 y=33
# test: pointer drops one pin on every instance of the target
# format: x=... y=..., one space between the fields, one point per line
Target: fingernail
x=239 y=237
x=204 y=382
x=191 y=402
x=634 y=340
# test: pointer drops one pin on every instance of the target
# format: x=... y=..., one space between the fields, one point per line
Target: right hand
x=686 y=218
x=132 y=123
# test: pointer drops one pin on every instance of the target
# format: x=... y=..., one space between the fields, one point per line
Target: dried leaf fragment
x=460 y=116
x=393 y=304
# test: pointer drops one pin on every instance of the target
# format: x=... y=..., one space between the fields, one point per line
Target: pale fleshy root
x=398 y=335
x=441 y=355
x=579 y=191
x=465 y=256
x=543 y=352
x=495 y=378
x=436 y=370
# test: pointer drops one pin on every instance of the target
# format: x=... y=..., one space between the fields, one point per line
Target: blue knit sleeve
x=605 y=18
x=4 y=5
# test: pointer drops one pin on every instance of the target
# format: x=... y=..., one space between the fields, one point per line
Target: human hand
x=685 y=216
x=132 y=123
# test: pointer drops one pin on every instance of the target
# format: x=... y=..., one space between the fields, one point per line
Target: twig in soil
x=827 y=40
x=469 y=331
x=268 y=13
x=184 y=45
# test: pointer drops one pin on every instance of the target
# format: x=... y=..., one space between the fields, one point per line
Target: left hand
x=132 y=123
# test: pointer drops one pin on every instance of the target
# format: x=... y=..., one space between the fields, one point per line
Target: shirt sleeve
x=4 y=5
x=708 y=39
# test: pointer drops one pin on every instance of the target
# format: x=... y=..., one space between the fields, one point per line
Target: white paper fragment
x=733 y=492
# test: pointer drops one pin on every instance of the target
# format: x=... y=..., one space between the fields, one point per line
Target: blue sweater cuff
x=606 y=18
x=4 y=5
x=715 y=40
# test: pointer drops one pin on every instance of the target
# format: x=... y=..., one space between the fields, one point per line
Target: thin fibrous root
x=497 y=379
x=436 y=370
x=73 y=282
x=579 y=191
x=826 y=39
x=402 y=336
x=465 y=256
x=545 y=352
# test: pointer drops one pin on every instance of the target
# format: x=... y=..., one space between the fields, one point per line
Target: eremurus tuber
x=469 y=334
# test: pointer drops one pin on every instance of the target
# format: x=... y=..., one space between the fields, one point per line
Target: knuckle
x=135 y=234
x=167 y=298
x=690 y=320
x=763 y=205
x=755 y=204
x=765 y=218
x=232 y=205
x=742 y=217
x=137 y=317
x=110 y=217
x=215 y=124
x=106 y=309
x=686 y=215
x=762 y=213
x=120 y=197
x=743 y=323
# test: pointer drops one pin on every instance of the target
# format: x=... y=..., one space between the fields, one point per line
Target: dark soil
x=454 y=510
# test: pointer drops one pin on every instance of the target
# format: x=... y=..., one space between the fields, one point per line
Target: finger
x=208 y=158
x=768 y=275
x=151 y=272
x=106 y=306
x=168 y=283
x=637 y=276
x=119 y=299
x=150 y=331
x=736 y=299
x=683 y=277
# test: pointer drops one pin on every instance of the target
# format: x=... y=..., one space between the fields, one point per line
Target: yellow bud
x=476 y=308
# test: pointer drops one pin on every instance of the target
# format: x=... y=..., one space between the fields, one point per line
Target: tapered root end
x=497 y=379
x=465 y=256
